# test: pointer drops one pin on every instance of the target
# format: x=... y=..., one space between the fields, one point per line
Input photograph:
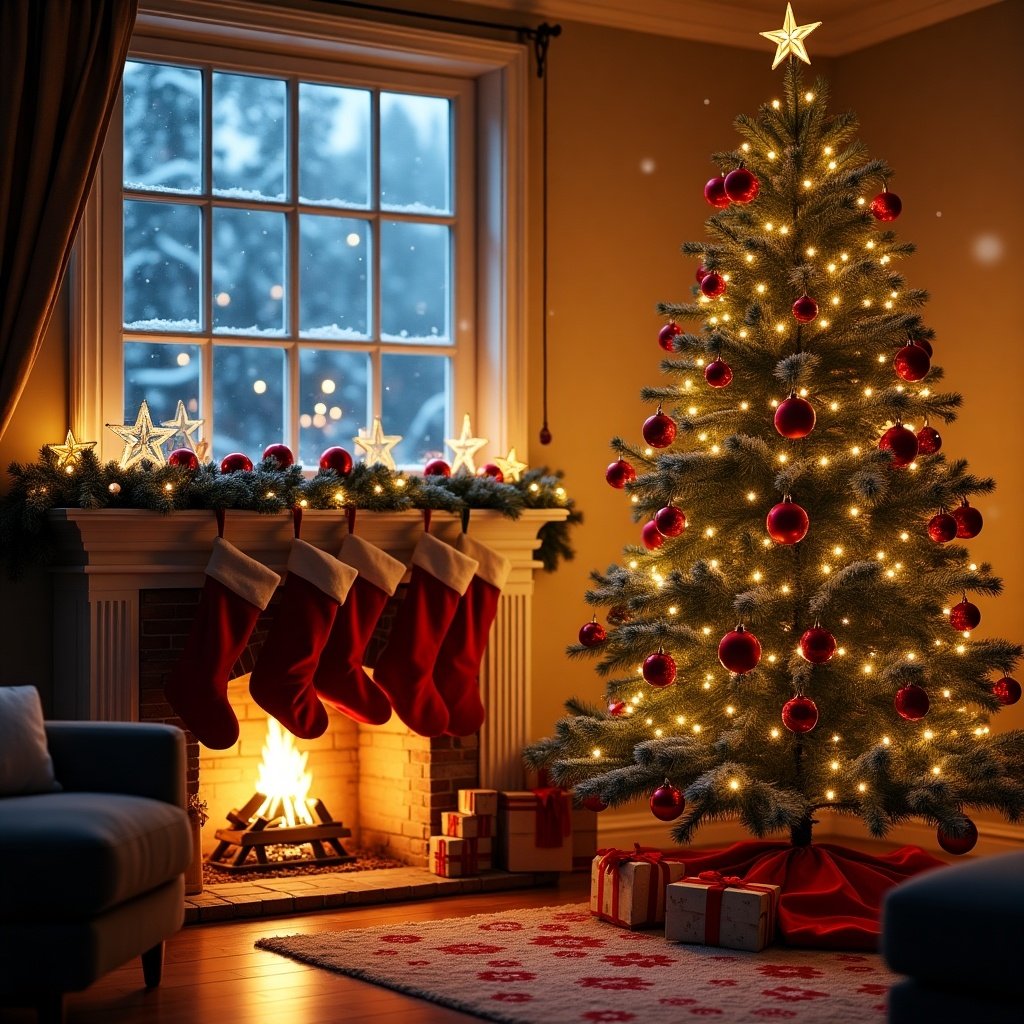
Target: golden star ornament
x=465 y=447
x=143 y=440
x=378 y=445
x=790 y=38
x=69 y=454
x=185 y=427
x=510 y=466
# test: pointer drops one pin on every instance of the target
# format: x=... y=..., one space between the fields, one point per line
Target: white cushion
x=25 y=764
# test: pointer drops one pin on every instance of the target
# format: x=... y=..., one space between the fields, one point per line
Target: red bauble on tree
x=659 y=669
x=592 y=634
x=667 y=333
x=437 y=467
x=667 y=802
x=958 y=844
x=926 y=345
x=886 y=205
x=741 y=186
x=817 y=645
x=794 y=418
x=718 y=373
x=929 y=440
x=651 y=536
x=739 y=651
x=911 y=363
x=490 y=469
x=184 y=458
x=236 y=462
x=616 y=708
x=594 y=803
x=901 y=444
x=280 y=453
x=714 y=193
x=800 y=714
x=942 y=527
x=618 y=474
x=911 y=702
x=969 y=521
x=701 y=271
x=964 y=617
x=713 y=284
x=1006 y=690
x=659 y=430
x=670 y=521
x=787 y=523
x=337 y=459
x=805 y=309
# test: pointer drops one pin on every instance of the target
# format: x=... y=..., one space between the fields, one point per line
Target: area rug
x=559 y=965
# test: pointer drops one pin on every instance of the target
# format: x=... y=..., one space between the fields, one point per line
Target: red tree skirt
x=831 y=896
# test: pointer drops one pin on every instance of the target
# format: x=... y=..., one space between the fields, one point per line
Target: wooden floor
x=213 y=975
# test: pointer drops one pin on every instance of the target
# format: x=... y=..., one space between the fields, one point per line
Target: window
x=293 y=245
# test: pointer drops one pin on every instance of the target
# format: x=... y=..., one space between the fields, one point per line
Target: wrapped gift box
x=535 y=830
x=713 y=910
x=453 y=858
x=478 y=801
x=627 y=887
x=485 y=853
x=584 y=838
x=467 y=826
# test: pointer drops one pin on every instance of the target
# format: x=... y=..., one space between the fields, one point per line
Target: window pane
x=334 y=402
x=334 y=258
x=417 y=405
x=161 y=266
x=162 y=127
x=415 y=148
x=163 y=375
x=248 y=272
x=334 y=145
x=248 y=136
x=414 y=282
x=248 y=399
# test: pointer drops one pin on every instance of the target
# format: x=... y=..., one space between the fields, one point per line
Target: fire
x=283 y=779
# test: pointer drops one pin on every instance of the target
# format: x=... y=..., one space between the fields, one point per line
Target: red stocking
x=282 y=681
x=236 y=590
x=457 y=669
x=404 y=670
x=340 y=679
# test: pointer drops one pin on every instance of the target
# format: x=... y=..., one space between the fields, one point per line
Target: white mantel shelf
x=106 y=557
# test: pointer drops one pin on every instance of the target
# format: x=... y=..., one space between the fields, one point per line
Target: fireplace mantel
x=107 y=557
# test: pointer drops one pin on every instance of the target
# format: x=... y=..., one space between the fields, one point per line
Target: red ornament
x=911 y=363
x=741 y=186
x=651 y=536
x=739 y=651
x=800 y=714
x=437 y=467
x=659 y=669
x=805 y=309
x=794 y=418
x=1006 y=690
x=667 y=333
x=911 y=702
x=964 y=617
x=701 y=271
x=337 y=459
x=886 y=205
x=942 y=527
x=184 y=458
x=659 y=430
x=817 y=645
x=619 y=614
x=787 y=523
x=595 y=803
x=617 y=708
x=713 y=284
x=714 y=192
x=280 y=453
x=958 y=844
x=667 y=802
x=670 y=521
x=901 y=443
x=929 y=440
x=969 y=521
x=926 y=345
x=236 y=462
x=618 y=474
x=718 y=374
x=493 y=471
x=592 y=634
x=545 y=435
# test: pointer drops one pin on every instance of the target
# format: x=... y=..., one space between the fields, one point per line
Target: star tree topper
x=790 y=38
x=142 y=441
x=465 y=447
x=378 y=446
x=69 y=454
x=184 y=426
x=510 y=466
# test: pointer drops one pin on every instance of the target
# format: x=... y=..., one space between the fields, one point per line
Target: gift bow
x=612 y=859
x=719 y=880
x=716 y=884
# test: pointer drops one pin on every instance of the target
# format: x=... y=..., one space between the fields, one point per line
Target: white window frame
x=492 y=385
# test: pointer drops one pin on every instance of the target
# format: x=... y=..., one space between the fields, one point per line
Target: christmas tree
x=794 y=631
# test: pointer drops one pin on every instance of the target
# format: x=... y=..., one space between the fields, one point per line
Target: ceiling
x=847 y=25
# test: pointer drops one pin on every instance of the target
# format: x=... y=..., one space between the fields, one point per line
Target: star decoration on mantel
x=465 y=447
x=185 y=427
x=143 y=440
x=69 y=454
x=510 y=466
x=790 y=38
x=378 y=445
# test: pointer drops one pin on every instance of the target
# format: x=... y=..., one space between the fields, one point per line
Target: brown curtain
x=63 y=61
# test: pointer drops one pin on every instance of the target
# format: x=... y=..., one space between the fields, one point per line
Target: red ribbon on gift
x=613 y=859
x=468 y=859
x=717 y=883
x=553 y=817
x=483 y=826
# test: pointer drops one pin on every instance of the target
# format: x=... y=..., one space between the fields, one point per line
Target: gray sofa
x=93 y=875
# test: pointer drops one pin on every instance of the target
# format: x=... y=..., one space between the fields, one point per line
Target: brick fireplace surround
x=125 y=591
